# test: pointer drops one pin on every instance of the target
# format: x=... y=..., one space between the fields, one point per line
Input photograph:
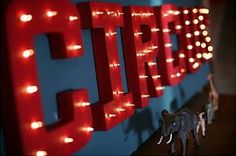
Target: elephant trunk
x=160 y=140
x=169 y=139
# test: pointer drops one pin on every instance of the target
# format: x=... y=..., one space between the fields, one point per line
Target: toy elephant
x=179 y=124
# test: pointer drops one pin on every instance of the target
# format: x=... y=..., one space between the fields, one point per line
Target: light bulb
x=27 y=53
x=185 y=11
x=204 y=11
x=199 y=55
x=73 y=18
x=196 y=33
x=178 y=27
x=88 y=129
x=168 y=45
x=210 y=48
x=194 y=10
x=195 y=21
x=191 y=60
x=145 y=96
x=197 y=43
x=200 y=17
x=203 y=45
x=110 y=115
x=31 y=89
x=204 y=33
x=160 y=88
x=195 y=65
x=156 y=76
x=188 y=35
x=187 y=22
x=41 y=153
x=166 y=30
x=68 y=140
x=189 y=47
x=36 y=125
x=82 y=104
x=51 y=13
x=208 y=39
x=155 y=29
x=26 y=17
x=181 y=55
x=202 y=26
x=169 y=60
x=143 y=76
x=74 y=47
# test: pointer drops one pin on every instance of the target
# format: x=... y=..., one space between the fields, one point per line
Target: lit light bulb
x=152 y=63
x=145 y=96
x=118 y=92
x=51 y=13
x=27 y=53
x=204 y=33
x=189 y=47
x=138 y=33
x=210 y=48
x=166 y=30
x=182 y=70
x=200 y=17
x=74 y=47
x=111 y=34
x=140 y=54
x=195 y=65
x=187 y=22
x=143 y=76
x=203 y=45
x=98 y=13
x=110 y=12
x=36 y=125
x=178 y=74
x=67 y=140
x=170 y=12
x=160 y=88
x=31 y=89
x=178 y=27
x=154 y=47
x=41 y=153
x=169 y=60
x=185 y=11
x=167 y=45
x=155 y=29
x=113 y=65
x=204 y=11
x=110 y=115
x=165 y=14
x=188 y=35
x=172 y=76
x=208 y=39
x=156 y=76
x=196 y=33
x=181 y=55
x=191 y=60
x=120 y=109
x=82 y=104
x=73 y=18
x=202 y=26
x=199 y=55
x=176 y=12
x=129 y=105
x=194 y=10
x=88 y=129
x=195 y=21
x=197 y=43
x=26 y=17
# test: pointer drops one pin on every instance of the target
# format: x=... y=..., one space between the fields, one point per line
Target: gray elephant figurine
x=179 y=124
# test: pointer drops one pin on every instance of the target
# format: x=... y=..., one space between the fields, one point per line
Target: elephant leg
x=172 y=147
x=195 y=135
x=183 y=145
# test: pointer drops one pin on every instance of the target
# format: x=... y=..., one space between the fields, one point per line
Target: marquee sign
x=150 y=64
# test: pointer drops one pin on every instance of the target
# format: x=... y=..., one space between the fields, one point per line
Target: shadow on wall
x=139 y=123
